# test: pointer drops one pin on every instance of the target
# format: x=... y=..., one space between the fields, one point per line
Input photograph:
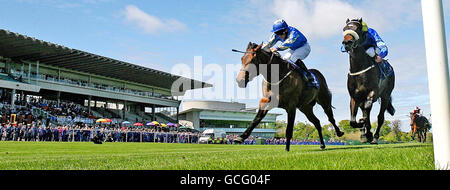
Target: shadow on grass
x=370 y=146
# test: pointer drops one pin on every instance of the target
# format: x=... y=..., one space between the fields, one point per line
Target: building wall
x=213 y=105
x=194 y=117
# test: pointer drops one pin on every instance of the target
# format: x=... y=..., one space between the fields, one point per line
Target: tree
x=345 y=125
x=303 y=131
x=396 y=129
x=386 y=128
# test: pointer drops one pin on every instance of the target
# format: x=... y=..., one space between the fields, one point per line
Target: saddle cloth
x=386 y=69
x=314 y=83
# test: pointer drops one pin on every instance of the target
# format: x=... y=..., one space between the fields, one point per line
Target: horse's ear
x=348 y=20
x=249 y=46
x=360 y=20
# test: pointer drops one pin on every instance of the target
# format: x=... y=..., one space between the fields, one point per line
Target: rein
x=268 y=63
x=280 y=81
x=354 y=46
x=361 y=72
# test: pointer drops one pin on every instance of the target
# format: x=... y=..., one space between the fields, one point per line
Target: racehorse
x=364 y=83
x=283 y=88
x=420 y=126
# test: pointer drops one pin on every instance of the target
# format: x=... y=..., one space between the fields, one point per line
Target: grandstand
x=94 y=85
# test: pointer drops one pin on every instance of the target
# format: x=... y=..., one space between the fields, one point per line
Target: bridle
x=355 y=45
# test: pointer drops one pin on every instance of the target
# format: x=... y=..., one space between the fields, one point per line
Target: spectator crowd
x=27 y=127
x=85 y=133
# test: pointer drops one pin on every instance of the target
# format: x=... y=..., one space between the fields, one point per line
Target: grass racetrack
x=160 y=156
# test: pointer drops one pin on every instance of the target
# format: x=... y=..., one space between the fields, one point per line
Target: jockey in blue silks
x=296 y=42
x=374 y=45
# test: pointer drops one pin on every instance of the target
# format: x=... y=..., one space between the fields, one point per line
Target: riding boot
x=304 y=71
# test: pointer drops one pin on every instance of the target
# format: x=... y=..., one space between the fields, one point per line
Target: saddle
x=301 y=67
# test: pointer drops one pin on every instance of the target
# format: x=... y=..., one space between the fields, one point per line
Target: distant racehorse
x=420 y=126
x=364 y=83
x=286 y=87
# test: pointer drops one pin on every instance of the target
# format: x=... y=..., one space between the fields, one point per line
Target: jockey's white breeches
x=301 y=53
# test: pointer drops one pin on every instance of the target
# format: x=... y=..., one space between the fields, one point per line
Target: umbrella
x=155 y=122
x=186 y=127
x=163 y=125
x=138 y=124
x=171 y=124
x=150 y=124
x=103 y=120
x=126 y=122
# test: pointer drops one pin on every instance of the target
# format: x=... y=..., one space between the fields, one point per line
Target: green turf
x=154 y=156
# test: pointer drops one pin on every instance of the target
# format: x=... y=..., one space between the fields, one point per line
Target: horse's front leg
x=264 y=107
x=366 y=134
x=369 y=101
x=424 y=136
x=290 y=127
x=353 y=113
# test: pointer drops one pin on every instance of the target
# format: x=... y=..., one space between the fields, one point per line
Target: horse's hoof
x=375 y=141
x=369 y=137
x=366 y=137
x=361 y=121
x=354 y=124
x=287 y=150
x=368 y=104
x=340 y=133
x=322 y=147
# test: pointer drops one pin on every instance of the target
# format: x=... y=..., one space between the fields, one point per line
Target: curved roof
x=20 y=47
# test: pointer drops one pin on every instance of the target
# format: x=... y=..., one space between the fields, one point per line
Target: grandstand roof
x=20 y=47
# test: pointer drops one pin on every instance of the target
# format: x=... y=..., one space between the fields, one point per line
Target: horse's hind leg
x=326 y=105
x=308 y=111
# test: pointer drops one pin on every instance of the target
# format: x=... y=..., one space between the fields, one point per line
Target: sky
x=195 y=38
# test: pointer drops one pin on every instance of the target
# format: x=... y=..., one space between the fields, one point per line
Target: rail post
x=438 y=80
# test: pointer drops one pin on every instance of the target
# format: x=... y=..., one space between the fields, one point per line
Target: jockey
x=374 y=45
x=417 y=110
x=297 y=44
x=380 y=50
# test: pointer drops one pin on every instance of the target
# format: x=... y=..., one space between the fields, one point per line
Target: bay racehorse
x=420 y=126
x=364 y=83
x=283 y=88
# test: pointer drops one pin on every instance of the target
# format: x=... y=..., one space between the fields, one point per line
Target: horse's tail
x=324 y=91
x=427 y=124
x=390 y=108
